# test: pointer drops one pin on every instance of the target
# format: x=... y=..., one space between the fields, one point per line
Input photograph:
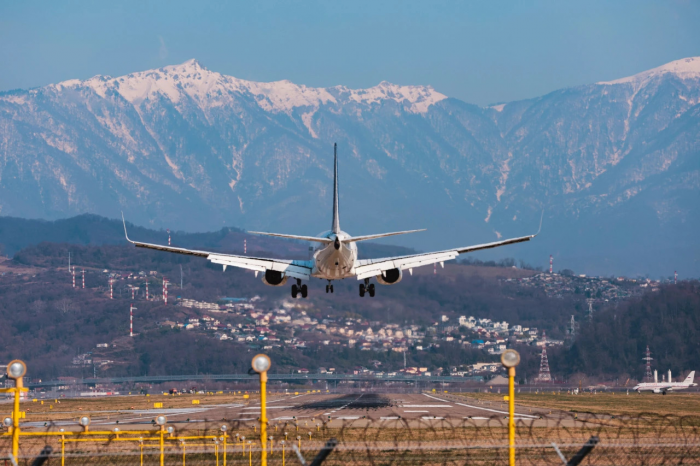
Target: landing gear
x=329 y=288
x=299 y=288
x=366 y=288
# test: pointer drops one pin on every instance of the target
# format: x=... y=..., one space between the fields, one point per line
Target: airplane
x=334 y=256
x=664 y=387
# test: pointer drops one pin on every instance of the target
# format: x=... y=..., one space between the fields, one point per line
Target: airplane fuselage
x=330 y=263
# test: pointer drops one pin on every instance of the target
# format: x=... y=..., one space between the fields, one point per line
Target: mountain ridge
x=194 y=152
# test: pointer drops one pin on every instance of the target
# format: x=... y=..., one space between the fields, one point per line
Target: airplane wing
x=291 y=268
x=372 y=267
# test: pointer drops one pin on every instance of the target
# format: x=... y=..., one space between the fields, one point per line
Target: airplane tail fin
x=336 y=219
x=690 y=377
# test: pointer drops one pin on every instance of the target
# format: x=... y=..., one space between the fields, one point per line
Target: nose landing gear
x=329 y=287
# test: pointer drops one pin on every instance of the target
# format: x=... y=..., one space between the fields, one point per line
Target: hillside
x=613 y=164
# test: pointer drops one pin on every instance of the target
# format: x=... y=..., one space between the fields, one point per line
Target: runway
x=307 y=410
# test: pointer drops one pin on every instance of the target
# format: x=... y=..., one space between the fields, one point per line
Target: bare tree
x=66 y=305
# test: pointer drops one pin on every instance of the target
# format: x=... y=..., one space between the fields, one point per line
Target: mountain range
x=615 y=166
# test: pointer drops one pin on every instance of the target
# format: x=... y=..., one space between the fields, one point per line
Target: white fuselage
x=657 y=387
x=330 y=263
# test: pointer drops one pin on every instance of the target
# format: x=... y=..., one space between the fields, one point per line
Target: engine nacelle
x=274 y=278
x=658 y=390
x=390 y=277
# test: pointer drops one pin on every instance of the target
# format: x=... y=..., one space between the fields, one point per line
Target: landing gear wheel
x=362 y=290
x=331 y=288
x=370 y=289
x=295 y=291
x=304 y=291
x=328 y=288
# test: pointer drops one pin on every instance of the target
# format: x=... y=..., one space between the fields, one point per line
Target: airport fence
x=646 y=439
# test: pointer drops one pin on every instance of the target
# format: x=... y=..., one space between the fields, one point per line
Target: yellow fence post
x=16 y=370
x=63 y=450
x=511 y=358
x=261 y=364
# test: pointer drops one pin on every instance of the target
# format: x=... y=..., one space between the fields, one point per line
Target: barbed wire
x=646 y=439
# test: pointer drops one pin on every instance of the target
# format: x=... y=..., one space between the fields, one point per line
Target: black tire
x=664 y=393
x=370 y=289
x=295 y=291
x=327 y=288
x=362 y=290
x=304 y=291
x=331 y=288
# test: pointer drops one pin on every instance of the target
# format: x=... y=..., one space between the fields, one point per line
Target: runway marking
x=427 y=406
x=389 y=418
x=484 y=409
x=349 y=417
x=406 y=411
x=431 y=417
x=269 y=407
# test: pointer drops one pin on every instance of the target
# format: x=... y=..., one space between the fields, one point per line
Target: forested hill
x=615 y=341
x=87 y=229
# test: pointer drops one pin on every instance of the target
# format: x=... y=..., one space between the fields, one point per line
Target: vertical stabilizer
x=690 y=378
x=336 y=219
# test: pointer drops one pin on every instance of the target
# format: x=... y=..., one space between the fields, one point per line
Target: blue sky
x=481 y=52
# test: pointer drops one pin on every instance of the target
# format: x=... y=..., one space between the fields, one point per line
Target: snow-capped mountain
x=615 y=165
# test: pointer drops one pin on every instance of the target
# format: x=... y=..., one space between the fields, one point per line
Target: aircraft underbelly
x=332 y=264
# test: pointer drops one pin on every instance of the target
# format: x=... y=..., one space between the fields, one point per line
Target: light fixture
x=161 y=420
x=84 y=421
x=116 y=429
x=510 y=358
x=171 y=429
x=261 y=363
x=16 y=369
x=7 y=422
x=224 y=428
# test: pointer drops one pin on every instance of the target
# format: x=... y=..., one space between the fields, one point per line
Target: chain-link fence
x=634 y=440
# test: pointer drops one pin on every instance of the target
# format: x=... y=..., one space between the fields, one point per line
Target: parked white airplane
x=334 y=256
x=666 y=386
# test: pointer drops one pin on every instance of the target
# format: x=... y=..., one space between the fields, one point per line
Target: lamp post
x=161 y=421
x=84 y=422
x=15 y=370
x=261 y=364
x=511 y=358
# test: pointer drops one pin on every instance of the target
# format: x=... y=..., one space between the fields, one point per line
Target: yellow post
x=250 y=453
x=261 y=364
x=283 y=453
x=511 y=358
x=511 y=415
x=141 y=453
x=15 y=420
x=162 y=453
x=224 y=448
x=63 y=451
x=216 y=452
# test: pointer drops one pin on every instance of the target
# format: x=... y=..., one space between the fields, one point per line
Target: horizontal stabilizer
x=301 y=238
x=381 y=235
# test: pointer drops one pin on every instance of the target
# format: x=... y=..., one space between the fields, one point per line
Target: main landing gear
x=299 y=288
x=329 y=287
x=366 y=287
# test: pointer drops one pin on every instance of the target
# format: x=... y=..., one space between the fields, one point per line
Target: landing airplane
x=668 y=386
x=334 y=256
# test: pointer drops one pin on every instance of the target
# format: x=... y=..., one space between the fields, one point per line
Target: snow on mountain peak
x=686 y=68
x=213 y=89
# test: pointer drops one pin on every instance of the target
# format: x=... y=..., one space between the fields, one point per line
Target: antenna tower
x=245 y=246
x=131 y=320
x=165 y=290
x=647 y=357
x=83 y=278
x=544 y=376
x=551 y=263
x=111 y=288
x=590 y=309
x=675 y=277
x=73 y=272
x=572 y=330
x=133 y=292
x=168 y=236
x=146 y=289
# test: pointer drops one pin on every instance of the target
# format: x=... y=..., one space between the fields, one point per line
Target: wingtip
x=125 y=233
x=540 y=228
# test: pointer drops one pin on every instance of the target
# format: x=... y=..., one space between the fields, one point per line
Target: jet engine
x=390 y=277
x=274 y=278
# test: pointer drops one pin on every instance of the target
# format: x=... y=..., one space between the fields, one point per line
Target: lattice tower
x=647 y=373
x=544 y=375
